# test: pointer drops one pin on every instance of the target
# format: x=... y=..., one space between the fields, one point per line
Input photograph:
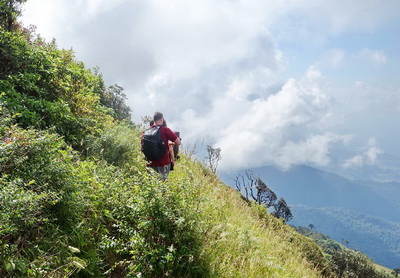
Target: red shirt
x=166 y=134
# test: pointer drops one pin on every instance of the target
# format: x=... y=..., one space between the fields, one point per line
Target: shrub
x=46 y=87
x=118 y=145
x=37 y=199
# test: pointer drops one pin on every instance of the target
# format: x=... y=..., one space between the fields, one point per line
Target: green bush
x=22 y=209
x=118 y=145
x=46 y=87
x=351 y=263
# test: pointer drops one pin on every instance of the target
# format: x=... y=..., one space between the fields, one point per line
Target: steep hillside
x=68 y=216
x=246 y=241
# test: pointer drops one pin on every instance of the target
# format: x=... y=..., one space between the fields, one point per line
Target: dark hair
x=151 y=122
x=158 y=116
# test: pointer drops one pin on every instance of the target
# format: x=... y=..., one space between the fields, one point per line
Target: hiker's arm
x=177 y=142
x=172 y=135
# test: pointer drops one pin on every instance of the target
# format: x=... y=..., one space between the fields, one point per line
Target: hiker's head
x=158 y=118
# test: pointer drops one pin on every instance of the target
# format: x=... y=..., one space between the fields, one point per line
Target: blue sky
x=269 y=82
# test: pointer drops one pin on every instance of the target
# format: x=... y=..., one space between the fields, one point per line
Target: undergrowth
x=68 y=216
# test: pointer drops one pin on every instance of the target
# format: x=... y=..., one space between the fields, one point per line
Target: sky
x=280 y=82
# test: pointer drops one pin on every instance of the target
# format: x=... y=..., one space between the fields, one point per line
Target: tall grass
x=238 y=240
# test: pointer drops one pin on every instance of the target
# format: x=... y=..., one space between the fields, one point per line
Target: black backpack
x=153 y=146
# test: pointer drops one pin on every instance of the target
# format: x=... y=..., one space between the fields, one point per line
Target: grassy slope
x=134 y=224
x=244 y=241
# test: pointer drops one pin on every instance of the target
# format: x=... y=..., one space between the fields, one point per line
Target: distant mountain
x=374 y=236
x=318 y=195
x=308 y=186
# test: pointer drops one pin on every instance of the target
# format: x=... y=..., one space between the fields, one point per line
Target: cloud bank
x=254 y=78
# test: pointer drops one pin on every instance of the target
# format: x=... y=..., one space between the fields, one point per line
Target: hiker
x=162 y=165
x=171 y=146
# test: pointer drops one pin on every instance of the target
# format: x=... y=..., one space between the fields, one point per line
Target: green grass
x=239 y=240
x=384 y=269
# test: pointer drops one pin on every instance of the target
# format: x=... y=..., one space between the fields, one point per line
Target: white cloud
x=218 y=72
x=278 y=129
x=373 y=151
x=358 y=83
x=356 y=161
x=314 y=150
x=376 y=57
x=369 y=157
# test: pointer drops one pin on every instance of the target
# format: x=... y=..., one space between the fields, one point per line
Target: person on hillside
x=171 y=149
x=171 y=146
x=163 y=165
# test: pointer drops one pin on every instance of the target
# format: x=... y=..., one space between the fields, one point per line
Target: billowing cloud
x=279 y=128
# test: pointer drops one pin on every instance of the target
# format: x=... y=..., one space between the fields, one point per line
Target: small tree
x=311 y=227
x=214 y=156
x=345 y=242
x=10 y=10
x=282 y=210
x=264 y=195
x=240 y=183
x=396 y=272
x=244 y=184
x=256 y=188
x=114 y=98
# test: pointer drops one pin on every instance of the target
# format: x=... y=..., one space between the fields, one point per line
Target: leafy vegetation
x=9 y=12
